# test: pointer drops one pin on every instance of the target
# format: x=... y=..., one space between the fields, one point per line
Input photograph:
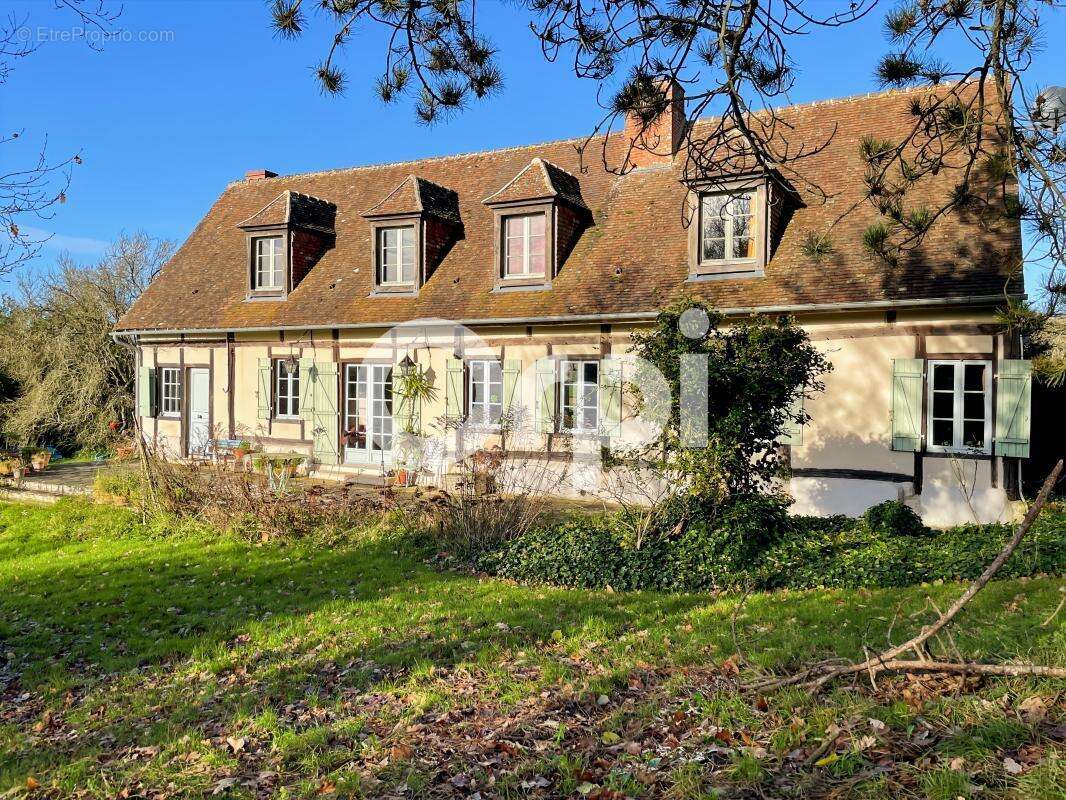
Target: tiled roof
x=293 y=208
x=416 y=195
x=632 y=258
x=539 y=179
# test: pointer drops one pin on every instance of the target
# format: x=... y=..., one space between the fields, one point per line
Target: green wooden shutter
x=610 y=390
x=147 y=392
x=307 y=388
x=512 y=374
x=793 y=431
x=546 y=396
x=324 y=417
x=265 y=395
x=453 y=389
x=907 y=385
x=1014 y=395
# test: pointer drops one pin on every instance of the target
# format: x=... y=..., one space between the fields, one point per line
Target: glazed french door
x=367 y=430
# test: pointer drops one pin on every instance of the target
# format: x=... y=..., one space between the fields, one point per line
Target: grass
x=167 y=659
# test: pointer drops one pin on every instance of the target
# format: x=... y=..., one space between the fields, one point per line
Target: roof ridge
x=550 y=142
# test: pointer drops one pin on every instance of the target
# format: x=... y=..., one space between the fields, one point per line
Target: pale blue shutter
x=512 y=373
x=792 y=430
x=453 y=389
x=307 y=388
x=146 y=392
x=324 y=417
x=546 y=396
x=610 y=390
x=264 y=395
x=907 y=385
x=1014 y=394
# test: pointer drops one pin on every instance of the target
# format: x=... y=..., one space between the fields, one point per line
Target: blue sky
x=200 y=91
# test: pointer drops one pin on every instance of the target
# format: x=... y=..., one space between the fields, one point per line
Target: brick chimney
x=259 y=174
x=658 y=141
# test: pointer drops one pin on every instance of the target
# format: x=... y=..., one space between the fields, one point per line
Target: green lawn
x=165 y=663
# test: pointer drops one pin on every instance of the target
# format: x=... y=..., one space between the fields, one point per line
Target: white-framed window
x=485 y=392
x=960 y=406
x=727 y=227
x=523 y=246
x=396 y=256
x=580 y=402
x=286 y=389
x=170 y=391
x=269 y=259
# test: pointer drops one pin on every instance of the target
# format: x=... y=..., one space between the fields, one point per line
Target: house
x=512 y=279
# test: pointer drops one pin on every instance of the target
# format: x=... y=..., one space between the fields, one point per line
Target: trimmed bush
x=894 y=518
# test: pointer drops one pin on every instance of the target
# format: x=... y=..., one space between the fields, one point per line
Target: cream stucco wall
x=844 y=465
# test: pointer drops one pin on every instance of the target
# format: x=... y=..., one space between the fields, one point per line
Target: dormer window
x=538 y=216
x=411 y=230
x=396 y=256
x=523 y=246
x=728 y=228
x=269 y=272
x=286 y=238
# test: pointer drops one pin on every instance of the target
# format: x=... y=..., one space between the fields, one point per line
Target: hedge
x=804 y=552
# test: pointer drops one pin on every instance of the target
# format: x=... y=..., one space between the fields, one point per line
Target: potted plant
x=484 y=466
x=243 y=448
x=39 y=460
x=18 y=470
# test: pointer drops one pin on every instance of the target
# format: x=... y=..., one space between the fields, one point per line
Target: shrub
x=727 y=551
x=583 y=551
x=751 y=545
x=895 y=518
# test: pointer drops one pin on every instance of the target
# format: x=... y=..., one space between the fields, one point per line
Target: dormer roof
x=539 y=180
x=416 y=195
x=294 y=210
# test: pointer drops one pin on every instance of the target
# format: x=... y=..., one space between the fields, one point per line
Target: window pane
x=536 y=261
x=713 y=249
x=973 y=405
x=515 y=227
x=973 y=434
x=974 y=377
x=592 y=369
x=515 y=254
x=589 y=419
x=536 y=225
x=944 y=376
x=741 y=206
x=743 y=248
x=943 y=433
x=943 y=405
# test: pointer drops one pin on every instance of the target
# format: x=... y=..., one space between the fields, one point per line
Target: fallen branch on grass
x=818 y=675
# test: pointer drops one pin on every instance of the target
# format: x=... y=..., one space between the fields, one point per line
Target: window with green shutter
x=907 y=376
x=793 y=431
x=1014 y=386
x=147 y=392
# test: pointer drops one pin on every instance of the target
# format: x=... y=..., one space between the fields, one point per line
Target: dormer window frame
x=501 y=213
x=378 y=225
x=255 y=235
x=757 y=187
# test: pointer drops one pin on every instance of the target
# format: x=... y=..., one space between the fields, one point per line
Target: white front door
x=199 y=436
x=367 y=430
